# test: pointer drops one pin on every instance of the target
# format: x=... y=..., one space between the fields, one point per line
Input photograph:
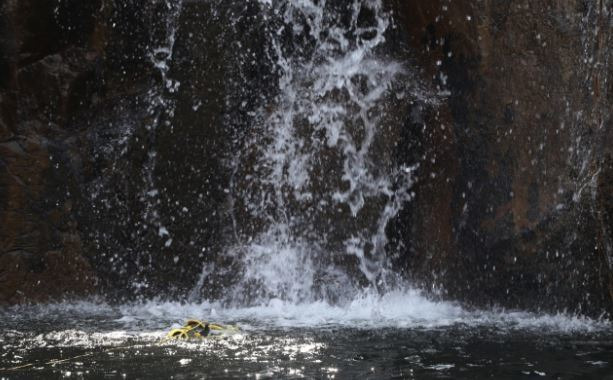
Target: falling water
x=314 y=186
x=121 y=141
x=161 y=110
x=317 y=181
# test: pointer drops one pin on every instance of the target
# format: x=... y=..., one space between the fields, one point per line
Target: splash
x=402 y=309
x=126 y=197
x=318 y=180
x=161 y=108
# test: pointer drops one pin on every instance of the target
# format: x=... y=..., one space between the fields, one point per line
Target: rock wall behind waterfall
x=92 y=175
x=114 y=148
x=513 y=206
x=46 y=74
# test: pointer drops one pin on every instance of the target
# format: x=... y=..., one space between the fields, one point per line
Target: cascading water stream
x=321 y=182
x=161 y=110
x=314 y=178
x=140 y=137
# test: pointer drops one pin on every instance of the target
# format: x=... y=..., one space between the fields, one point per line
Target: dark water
x=100 y=341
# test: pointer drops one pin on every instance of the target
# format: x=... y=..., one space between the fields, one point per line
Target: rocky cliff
x=513 y=205
x=48 y=65
x=114 y=142
x=113 y=166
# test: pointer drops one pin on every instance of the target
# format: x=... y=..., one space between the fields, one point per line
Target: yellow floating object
x=195 y=329
x=178 y=334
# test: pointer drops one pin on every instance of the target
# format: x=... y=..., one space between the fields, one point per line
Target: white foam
x=318 y=151
x=406 y=309
x=97 y=324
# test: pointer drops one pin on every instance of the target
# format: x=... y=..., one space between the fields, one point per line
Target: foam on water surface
x=404 y=309
x=312 y=339
x=97 y=322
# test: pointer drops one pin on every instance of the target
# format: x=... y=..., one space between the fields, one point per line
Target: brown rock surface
x=511 y=215
x=513 y=206
x=41 y=69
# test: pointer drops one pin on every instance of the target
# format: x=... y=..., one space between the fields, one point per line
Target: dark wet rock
x=511 y=205
x=27 y=277
x=50 y=58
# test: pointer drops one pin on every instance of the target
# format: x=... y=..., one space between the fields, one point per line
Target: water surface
x=400 y=335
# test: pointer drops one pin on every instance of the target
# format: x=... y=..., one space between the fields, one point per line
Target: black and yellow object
x=195 y=329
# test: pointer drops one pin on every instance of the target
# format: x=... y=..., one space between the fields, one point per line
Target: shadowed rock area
x=111 y=176
x=48 y=61
x=512 y=204
x=109 y=164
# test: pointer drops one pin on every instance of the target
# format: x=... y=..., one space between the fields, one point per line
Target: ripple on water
x=399 y=334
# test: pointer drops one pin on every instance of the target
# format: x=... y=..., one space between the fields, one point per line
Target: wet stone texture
x=514 y=200
x=66 y=73
x=113 y=173
x=513 y=203
x=44 y=72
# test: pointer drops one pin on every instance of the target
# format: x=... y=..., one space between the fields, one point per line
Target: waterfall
x=317 y=181
x=314 y=168
x=161 y=109
x=126 y=199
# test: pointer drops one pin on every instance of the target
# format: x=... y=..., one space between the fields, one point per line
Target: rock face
x=71 y=73
x=115 y=142
x=109 y=164
x=44 y=71
x=514 y=199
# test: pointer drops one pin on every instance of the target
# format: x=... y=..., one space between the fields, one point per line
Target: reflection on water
x=371 y=339
x=452 y=352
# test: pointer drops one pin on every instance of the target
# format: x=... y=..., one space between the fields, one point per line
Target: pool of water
x=400 y=335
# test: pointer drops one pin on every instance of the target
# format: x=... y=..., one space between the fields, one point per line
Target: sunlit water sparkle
x=400 y=334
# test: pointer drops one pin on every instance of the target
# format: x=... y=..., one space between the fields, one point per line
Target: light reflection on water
x=124 y=341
